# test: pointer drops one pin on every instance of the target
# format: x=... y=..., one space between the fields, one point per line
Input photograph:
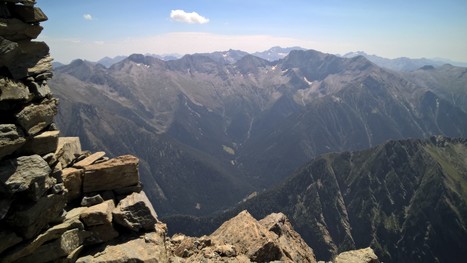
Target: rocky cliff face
x=61 y=204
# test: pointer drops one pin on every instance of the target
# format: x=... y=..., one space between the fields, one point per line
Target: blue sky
x=92 y=29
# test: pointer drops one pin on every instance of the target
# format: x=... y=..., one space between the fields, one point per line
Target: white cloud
x=87 y=17
x=189 y=18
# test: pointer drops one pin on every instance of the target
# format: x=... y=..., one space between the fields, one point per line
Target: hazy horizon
x=92 y=30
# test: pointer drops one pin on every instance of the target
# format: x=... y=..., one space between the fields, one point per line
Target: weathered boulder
x=249 y=237
x=27 y=59
x=365 y=255
x=28 y=175
x=52 y=233
x=11 y=139
x=36 y=117
x=61 y=247
x=30 y=219
x=40 y=91
x=147 y=248
x=98 y=214
x=226 y=251
x=184 y=245
x=42 y=144
x=28 y=14
x=113 y=174
x=68 y=149
x=290 y=242
x=73 y=180
x=7 y=48
x=13 y=90
x=42 y=66
x=136 y=212
x=16 y=30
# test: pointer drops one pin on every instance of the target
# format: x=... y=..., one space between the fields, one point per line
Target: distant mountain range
x=211 y=130
x=404 y=63
x=276 y=53
x=228 y=57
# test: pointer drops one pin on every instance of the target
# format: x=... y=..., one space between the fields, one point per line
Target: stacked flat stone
x=55 y=199
x=26 y=103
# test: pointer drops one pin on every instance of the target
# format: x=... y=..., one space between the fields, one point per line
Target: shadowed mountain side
x=168 y=167
x=405 y=199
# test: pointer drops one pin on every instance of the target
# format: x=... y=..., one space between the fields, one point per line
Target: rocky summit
x=59 y=203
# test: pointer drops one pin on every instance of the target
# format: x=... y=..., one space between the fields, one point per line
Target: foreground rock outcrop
x=354 y=256
x=244 y=239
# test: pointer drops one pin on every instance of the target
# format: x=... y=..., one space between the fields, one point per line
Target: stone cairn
x=61 y=204
x=55 y=199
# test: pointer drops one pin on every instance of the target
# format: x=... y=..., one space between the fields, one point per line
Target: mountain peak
x=83 y=69
x=142 y=59
x=251 y=64
x=276 y=53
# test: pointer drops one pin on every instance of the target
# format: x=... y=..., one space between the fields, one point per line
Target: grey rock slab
x=119 y=172
x=92 y=200
x=147 y=248
x=16 y=30
x=365 y=255
x=42 y=144
x=28 y=14
x=11 y=139
x=98 y=214
x=36 y=117
x=29 y=58
x=7 y=49
x=52 y=233
x=136 y=212
x=40 y=91
x=62 y=247
x=44 y=65
x=30 y=219
x=14 y=90
x=68 y=149
x=73 y=180
x=25 y=174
